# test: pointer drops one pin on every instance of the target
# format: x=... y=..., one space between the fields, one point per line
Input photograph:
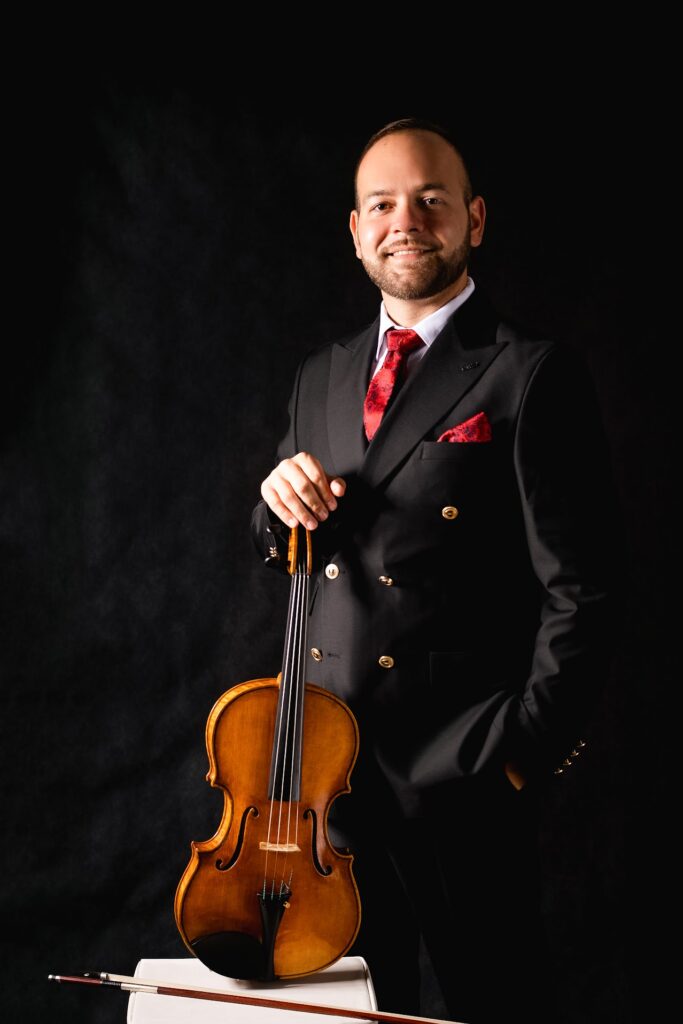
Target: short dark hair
x=413 y=124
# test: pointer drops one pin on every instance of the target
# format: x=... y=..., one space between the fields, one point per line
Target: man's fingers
x=293 y=496
x=329 y=488
x=338 y=487
x=318 y=477
x=309 y=481
x=285 y=504
x=300 y=491
x=273 y=502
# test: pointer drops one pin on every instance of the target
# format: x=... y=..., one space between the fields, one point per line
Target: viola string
x=295 y=601
x=278 y=734
x=301 y=692
x=286 y=753
x=299 y=629
x=296 y=751
x=292 y=684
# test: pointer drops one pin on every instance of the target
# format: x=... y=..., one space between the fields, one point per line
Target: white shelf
x=347 y=983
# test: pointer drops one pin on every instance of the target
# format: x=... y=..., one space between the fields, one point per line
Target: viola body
x=268 y=896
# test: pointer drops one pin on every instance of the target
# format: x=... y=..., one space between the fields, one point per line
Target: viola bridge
x=280 y=847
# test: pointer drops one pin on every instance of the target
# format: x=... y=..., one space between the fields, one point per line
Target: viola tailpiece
x=268 y=896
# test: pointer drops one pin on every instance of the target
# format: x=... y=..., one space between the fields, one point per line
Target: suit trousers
x=465 y=878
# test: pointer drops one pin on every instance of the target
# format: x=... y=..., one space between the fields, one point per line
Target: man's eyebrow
x=427 y=187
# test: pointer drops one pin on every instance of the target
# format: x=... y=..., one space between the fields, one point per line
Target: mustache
x=409 y=248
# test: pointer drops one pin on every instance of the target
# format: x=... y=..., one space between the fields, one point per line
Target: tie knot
x=403 y=340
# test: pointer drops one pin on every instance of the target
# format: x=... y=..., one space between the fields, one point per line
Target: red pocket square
x=476 y=428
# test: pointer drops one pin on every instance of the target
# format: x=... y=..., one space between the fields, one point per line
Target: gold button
x=449 y=512
x=386 y=580
x=332 y=571
x=315 y=653
x=386 y=661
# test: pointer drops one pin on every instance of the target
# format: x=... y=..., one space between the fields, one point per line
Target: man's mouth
x=408 y=253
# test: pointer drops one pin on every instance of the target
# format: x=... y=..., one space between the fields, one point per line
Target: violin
x=268 y=896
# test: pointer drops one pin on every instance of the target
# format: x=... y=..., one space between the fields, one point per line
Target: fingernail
x=311 y=524
x=332 y=505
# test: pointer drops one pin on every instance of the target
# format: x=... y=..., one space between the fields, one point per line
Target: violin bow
x=130 y=984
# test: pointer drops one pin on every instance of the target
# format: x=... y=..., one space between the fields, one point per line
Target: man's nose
x=408 y=217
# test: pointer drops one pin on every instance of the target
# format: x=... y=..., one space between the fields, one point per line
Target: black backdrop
x=177 y=253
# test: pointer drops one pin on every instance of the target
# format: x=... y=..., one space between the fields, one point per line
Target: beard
x=433 y=274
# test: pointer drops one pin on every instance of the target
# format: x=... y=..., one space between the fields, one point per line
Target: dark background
x=176 y=253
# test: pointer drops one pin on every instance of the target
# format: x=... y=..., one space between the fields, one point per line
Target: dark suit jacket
x=498 y=620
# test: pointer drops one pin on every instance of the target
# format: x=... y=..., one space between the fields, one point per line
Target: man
x=455 y=472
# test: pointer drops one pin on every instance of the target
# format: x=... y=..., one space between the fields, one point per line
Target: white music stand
x=346 y=983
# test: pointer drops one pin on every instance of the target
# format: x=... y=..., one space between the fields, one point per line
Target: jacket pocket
x=453 y=450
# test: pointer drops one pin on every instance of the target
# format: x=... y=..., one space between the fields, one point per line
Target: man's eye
x=431 y=200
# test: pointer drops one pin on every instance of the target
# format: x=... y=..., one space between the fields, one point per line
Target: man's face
x=414 y=237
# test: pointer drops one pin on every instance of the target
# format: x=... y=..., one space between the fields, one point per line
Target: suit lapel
x=349 y=375
x=457 y=358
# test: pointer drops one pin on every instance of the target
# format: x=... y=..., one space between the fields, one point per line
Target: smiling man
x=414 y=232
x=455 y=472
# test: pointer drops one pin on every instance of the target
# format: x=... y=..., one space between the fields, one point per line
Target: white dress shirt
x=428 y=328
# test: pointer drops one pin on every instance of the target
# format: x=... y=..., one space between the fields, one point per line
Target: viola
x=268 y=896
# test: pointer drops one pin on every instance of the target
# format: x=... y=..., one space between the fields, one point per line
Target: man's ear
x=353 y=225
x=477 y=220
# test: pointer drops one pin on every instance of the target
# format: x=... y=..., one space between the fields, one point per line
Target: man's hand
x=300 y=491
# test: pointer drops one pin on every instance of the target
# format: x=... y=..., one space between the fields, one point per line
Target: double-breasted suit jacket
x=461 y=602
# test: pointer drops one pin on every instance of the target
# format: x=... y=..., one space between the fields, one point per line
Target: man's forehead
x=433 y=162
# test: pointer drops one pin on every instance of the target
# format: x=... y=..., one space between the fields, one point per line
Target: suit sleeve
x=574 y=533
x=269 y=534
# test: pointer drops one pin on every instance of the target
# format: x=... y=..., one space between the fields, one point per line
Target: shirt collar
x=430 y=326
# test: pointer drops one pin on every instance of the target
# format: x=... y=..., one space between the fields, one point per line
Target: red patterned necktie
x=399 y=344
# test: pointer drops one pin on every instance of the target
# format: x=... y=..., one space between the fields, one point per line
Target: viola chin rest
x=232 y=954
